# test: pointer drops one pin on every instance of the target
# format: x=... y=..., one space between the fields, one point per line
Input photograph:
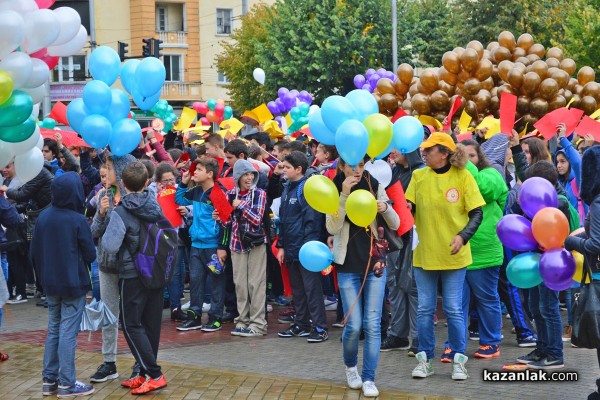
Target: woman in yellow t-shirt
x=447 y=206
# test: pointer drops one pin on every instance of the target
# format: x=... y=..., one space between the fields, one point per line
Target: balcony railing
x=181 y=90
x=173 y=38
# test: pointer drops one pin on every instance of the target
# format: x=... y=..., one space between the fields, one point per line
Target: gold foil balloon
x=576 y=100
x=586 y=74
x=518 y=52
x=525 y=41
x=482 y=101
x=405 y=73
x=522 y=105
x=389 y=102
x=548 y=88
x=557 y=102
x=447 y=76
x=507 y=39
x=472 y=86
x=553 y=62
x=458 y=51
x=541 y=68
x=477 y=46
x=537 y=49
x=448 y=88
x=413 y=90
x=429 y=79
x=492 y=45
x=484 y=70
x=488 y=84
x=533 y=57
x=471 y=108
x=385 y=86
x=503 y=69
x=463 y=75
x=401 y=87
x=501 y=53
x=515 y=77
x=554 y=52
x=572 y=84
x=451 y=62
x=523 y=60
x=469 y=59
x=568 y=65
x=531 y=81
x=591 y=89
x=439 y=100
x=420 y=104
x=538 y=106
x=588 y=104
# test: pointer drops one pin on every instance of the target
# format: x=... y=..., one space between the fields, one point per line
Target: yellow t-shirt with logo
x=443 y=202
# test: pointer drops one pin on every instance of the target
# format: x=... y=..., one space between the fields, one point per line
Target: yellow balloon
x=579 y=267
x=321 y=194
x=6 y=86
x=361 y=207
x=380 y=133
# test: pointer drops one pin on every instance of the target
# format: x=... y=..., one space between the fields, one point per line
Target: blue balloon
x=96 y=130
x=523 y=271
x=76 y=113
x=352 y=141
x=125 y=137
x=105 y=65
x=97 y=97
x=336 y=110
x=408 y=134
x=319 y=130
x=119 y=106
x=145 y=103
x=315 y=256
x=128 y=75
x=364 y=103
x=150 y=76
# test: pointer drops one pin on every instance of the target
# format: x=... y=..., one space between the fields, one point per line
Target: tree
x=582 y=34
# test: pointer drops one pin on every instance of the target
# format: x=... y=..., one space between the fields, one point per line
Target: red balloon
x=200 y=107
x=50 y=61
x=219 y=109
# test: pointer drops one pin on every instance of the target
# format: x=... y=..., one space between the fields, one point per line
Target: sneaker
x=566 y=337
x=330 y=303
x=394 y=343
x=547 y=363
x=317 y=335
x=193 y=322
x=211 y=326
x=186 y=306
x=338 y=324
x=135 y=370
x=535 y=356
x=135 y=382
x=527 y=341
x=186 y=289
x=150 y=385
x=249 y=332
x=353 y=378
x=49 y=388
x=459 y=372
x=205 y=307
x=286 y=319
x=424 y=368
x=18 y=299
x=30 y=289
x=507 y=316
x=369 y=389
x=447 y=356
x=292 y=331
x=473 y=335
x=229 y=317
x=488 y=351
x=281 y=301
x=78 y=389
x=177 y=314
x=412 y=352
x=236 y=331
x=104 y=373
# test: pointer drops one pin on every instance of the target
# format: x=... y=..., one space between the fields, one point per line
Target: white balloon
x=40 y=143
x=6 y=153
x=19 y=67
x=313 y=109
x=71 y=47
x=41 y=30
x=39 y=75
x=380 y=171
x=69 y=21
x=37 y=94
x=28 y=144
x=11 y=31
x=24 y=7
x=259 y=75
x=29 y=165
x=36 y=111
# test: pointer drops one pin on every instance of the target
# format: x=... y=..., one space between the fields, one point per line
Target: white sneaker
x=185 y=306
x=369 y=389
x=424 y=368
x=353 y=378
x=205 y=307
x=459 y=372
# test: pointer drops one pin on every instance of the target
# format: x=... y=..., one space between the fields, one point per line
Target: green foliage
x=582 y=34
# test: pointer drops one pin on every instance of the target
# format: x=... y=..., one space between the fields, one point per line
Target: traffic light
x=123 y=50
x=147 y=48
x=157 y=48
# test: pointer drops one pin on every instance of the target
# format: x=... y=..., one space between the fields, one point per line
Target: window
x=70 y=69
x=222 y=78
x=174 y=67
x=224 y=21
x=161 y=19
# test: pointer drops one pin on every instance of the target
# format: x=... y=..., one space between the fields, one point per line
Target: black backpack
x=156 y=254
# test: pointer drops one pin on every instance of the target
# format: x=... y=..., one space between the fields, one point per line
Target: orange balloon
x=212 y=116
x=550 y=228
x=221 y=102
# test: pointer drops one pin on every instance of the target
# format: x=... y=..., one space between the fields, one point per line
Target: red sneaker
x=447 y=356
x=134 y=382
x=150 y=385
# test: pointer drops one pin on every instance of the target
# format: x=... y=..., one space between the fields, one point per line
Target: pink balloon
x=44 y=3
x=42 y=54
x=221 y=101
x=219 y=109
x=200 y=107
x=205 y=121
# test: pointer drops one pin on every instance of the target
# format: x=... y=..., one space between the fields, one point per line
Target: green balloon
x=18 y=133
x=16 y=109
x=48 y=123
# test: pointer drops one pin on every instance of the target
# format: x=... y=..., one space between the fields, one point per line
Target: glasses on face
x=166 y=182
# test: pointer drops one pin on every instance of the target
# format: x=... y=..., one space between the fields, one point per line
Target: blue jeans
x=95 y=280
x=544 y=305
x=4 y=265
x=64 y=318
x=178 y=281
x=365 y=316
x=452 y=294
x=199 y=274
x=484 y=285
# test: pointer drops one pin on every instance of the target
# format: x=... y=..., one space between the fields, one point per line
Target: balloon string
x=362 y=285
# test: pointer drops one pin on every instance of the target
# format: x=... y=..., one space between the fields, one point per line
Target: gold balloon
x=501 y=53
x=591 y=89
x=385 y=86
x=553 y=62
x=451 y=62
x=389 y=102
x=504 y=68
x=429 y=79
x=458 y=51
x=439 y=100
x=487 y=55
x=525 y=41
x=463 y=76
x=554 y=52
x=561 y=77
x=469 y=59
x=488 y=84
x=568 y=95
x=484 y=70
x=413 y=90
x=407 y=105
x=515 y=77
x=482 y=101
x=531 y=81
x=507 y=39
x=523 y=60
x=448 y=88
x=422 y=89
x=518 y=52
x=494 y=103
x=492 y=45
x=585 y=75
x=405 y=73
x=506 y=88
x=522 y=105
x=557 y=102
x=541 y=68
x=401 y=88
x=579 y=89
x=537 y=49
x=548 y=88
x=568 y=65
x=447 y=76
x=538 y=106
x=529 y=119
x=471 y=108
x=533 y=58
x=477 y=46
x=588 y=104
x=420 y=104
x=572 y=84
x=472 y=86
x=576 y=100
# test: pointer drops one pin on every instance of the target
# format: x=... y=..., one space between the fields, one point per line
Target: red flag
x=220 y=203
x=455 y=106
x=508 y=110
x=399 y=114
x=166 y=200
x=59 y=113
x=587 y=126
x=547 y=124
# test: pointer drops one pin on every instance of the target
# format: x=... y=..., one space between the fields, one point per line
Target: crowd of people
x=244 y=218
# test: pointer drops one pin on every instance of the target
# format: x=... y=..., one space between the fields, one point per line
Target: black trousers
x=141 y=316
x=307 y=291
x=17 y=271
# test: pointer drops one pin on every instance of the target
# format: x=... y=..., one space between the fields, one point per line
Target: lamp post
x=394 y=35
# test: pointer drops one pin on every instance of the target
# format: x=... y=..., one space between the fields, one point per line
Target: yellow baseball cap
x=439 y=138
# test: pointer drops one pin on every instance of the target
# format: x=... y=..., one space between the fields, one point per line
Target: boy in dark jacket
x=140 y=307
x=300 y=223
x=65 y=279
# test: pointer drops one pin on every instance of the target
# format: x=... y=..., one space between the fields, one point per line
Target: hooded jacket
x=122 y=237
x=36 y=192
x=572 y=182
x=62 y=243
x=403 y=174
x=204 y=231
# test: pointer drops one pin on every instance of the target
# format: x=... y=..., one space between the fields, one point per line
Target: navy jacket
x=9 y=217
x=62 y=242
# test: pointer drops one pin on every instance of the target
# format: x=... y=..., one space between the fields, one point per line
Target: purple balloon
x=557 y=266
x=537 y=193
x=560 y=285
x=373 y=80
x=308 y=99
x=514 y=231
x=279 y=121
x=280 y=105
x=282 y=92
x=289 y=100
x=368 y=87
x=272 y=106
x=359 y=81
x=369 y=72
x=294 y=93
x=381 y=72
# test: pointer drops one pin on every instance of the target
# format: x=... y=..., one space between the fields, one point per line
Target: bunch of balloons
x=547 y=230
x=369 y=80
x=288 y=99
x=101 y=115
x=214 y=111
x=164 y=111
x=143 y=80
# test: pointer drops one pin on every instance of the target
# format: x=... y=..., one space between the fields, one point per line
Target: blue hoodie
x=62 y=242
x=574 y=178
x=204 y=231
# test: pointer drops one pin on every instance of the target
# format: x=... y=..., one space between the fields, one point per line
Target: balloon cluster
x=369 y=80
x=547 y=229
x=100 y=116
x=288 y=99
x=214 y=111
x=389 y=90
x=164 y=111
x=143 y=80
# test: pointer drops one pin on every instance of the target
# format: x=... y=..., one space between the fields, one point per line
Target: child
x=204 y=233
x=61 y=247
x=248 y=250
x=140 y=308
